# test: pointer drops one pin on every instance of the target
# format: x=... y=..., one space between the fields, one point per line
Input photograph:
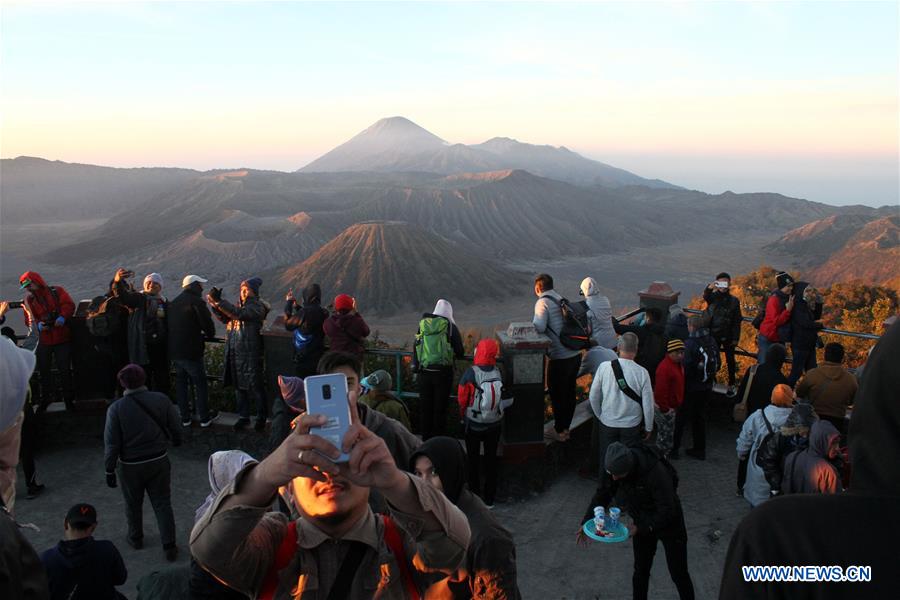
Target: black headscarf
x=875 y=424
x=312 y=294
x=449 y=460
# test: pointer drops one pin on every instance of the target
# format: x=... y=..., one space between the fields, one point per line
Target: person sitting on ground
x=645 y=486
x=776 y=323
x=306 y=322
x=830 y=388
x=380 y=397
x=805 y=327
x=701 y=363
x=813 y=469
x=763 y=422
x=190 y=325
x=80 y=567
x=223 y=467
x=824 y=529
x=482 y=401
x=437 y=345
x=668 y=394
x=625 y=413
x=563 y=363
x=338 y=546
x=651 y=340
x=602 y=333
x=345 y=327
x=244 y=349
x=147 y=326
x=50 y=308
x=793 y=436
x=139 y=428
x=676 y=325
x=724 y=315
x=489 y=571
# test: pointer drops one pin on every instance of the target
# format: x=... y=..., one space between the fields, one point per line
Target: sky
x=793 y=97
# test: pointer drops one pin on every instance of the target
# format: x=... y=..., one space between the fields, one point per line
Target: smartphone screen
x=327 y=395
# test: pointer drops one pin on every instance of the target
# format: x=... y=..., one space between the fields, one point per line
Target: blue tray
x=621 y=536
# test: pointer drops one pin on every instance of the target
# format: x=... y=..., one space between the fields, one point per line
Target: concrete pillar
x=659 y=295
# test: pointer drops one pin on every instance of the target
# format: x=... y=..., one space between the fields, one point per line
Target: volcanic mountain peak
x=400 y=127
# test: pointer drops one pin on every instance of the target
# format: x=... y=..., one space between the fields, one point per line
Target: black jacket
x=652 y=342
x=244 y=348
x=767 y=376
x=647 y=494
x=309 y=318
x=804 y=329
x=694 y=372
x=94 y=566
x=144 y=326
x=190 y=324
x=724 y=313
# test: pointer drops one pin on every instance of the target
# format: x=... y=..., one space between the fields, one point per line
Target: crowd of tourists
x=408 y=513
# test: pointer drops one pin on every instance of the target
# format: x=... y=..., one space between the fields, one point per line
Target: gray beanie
x=619 y=459
x=379 y=380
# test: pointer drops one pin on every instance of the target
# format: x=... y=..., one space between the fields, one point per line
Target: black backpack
x=577 y=328
x=766 y=445
x=102 y=318
x=709 y=358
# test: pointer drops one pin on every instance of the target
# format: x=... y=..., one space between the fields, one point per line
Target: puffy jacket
x=190 y=322
x=244 y=348
x=804 y=328
x=145 y=326
x=724 y=312
x=346 y=331
x=45 y=306
x=548 y=319
x=776 y=326
x=84 y=569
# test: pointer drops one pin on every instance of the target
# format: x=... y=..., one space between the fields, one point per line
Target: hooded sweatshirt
x=830 y=388
x=601 y=314
x=810 y=471
x=94 y=566
x=44 y=304
x=346 y=331
x=753 y=432
x=858 y=527
x=776 y=326
x=490 y=567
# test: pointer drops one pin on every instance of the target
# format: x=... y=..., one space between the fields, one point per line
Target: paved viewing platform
x=543 y=523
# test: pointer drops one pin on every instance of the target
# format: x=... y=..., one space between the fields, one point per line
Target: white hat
x=154 y=277
x=189 y=279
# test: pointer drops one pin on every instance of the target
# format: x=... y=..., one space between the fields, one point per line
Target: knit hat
x=82 y=514
x=253 y=283
x=132 y=376
x=380 y=381
x=619 y=459
x=292 y=392
x=674 y=345
x=155 y=278
x=783 y=395
x=783 y=279
x=801 y=418
x=343 y=302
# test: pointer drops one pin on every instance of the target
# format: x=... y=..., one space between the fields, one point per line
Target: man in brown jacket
x=830 y=388
x=337 y=548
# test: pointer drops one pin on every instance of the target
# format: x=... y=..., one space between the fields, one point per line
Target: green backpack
x=433 y=343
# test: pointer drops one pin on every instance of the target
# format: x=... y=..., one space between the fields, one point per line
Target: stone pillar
x=522 y=352
x=659 y=295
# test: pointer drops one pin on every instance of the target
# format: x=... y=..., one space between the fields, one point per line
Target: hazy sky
x=799 y=98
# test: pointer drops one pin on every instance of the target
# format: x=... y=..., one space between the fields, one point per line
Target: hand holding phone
x=328 y=395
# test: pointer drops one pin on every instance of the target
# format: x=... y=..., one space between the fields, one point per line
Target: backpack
x=709 y=359
x=102 y=319
x=765 y=447
x=486 y=407
x=577 y=328
x=432 y=345
x=304 y=340
x=760 y=314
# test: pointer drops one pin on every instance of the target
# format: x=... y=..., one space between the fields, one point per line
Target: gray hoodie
x=601 y=314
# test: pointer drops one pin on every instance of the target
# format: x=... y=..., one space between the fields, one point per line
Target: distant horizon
x=739 y=96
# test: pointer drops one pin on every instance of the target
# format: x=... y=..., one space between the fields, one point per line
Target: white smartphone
x=327 y=395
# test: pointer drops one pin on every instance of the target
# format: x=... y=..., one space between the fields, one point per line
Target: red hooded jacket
x=486 y=357
x=669 y=391
x=42 y=303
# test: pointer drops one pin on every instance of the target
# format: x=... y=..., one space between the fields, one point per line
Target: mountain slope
x=391 y=265
x=872 y=255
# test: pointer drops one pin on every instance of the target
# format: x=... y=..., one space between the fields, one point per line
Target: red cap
x=343 y=302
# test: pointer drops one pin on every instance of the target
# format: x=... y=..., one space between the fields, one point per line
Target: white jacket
x=756 y=489
x=601 y=314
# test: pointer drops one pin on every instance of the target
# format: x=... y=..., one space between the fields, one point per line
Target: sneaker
x=695 y=454
x=731 y=392
x=186 y=422
x=241 y=424
x=260 y=425
x=171 y=553
x=136 y=544
x=34 y=491
x=490 y=506
x=213 y=417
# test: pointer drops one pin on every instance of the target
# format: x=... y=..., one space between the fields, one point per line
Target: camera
x=215 y=293
x=15 y=304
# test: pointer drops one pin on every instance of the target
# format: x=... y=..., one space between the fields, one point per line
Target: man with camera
x=49 y=308
x=147 y=326
x=723 y=312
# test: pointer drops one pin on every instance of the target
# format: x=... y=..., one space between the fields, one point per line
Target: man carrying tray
x=645 y=485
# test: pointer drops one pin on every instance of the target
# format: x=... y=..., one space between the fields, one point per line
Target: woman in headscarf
x=813 y=470
x=757 y=426
x=438 y=343
x=223 y=466
x=490 y=566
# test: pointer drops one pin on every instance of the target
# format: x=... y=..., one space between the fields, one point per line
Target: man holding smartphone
x=723 y=312
x=337 y=544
